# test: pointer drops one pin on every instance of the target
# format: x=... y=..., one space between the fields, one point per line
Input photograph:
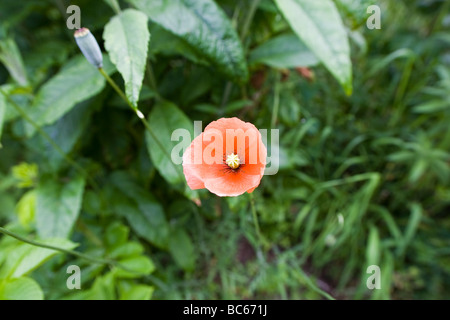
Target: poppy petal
x=225 y=124
x=191 y=170
x=232 y=185
x=204 y=160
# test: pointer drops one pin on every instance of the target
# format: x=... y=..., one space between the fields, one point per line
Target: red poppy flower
x=228 y=158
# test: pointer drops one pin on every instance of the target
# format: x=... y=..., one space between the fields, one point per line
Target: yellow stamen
x=233 y=161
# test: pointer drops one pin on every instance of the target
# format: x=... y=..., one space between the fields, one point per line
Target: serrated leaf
x=77 y=82
x=205 y=27
x=283 y=52
x=58 y=206
x=319 y=26
x=126 y=39
x=21 y=289
x=164 y=119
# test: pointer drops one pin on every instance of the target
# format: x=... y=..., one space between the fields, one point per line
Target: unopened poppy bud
x=89 y=46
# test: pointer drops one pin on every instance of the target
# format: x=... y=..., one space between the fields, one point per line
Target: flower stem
x=142 y=118
x=262 y=241
x=116 y=88
x=109 y=262
x=47 y=246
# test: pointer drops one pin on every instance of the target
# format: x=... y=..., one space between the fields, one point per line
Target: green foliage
x=26 y=209
x=23 y=288
x=2 y=115
x=12 y=60
x=363 y=178
x=126 y=39
x=56 y=98
x=283 y=52
x=204 y=27
x=19 y=259
x=144 y=214
x=165 y=118
x=58 y=206
x=327 y=40
x=25 y=174
x=182 y=249
x=355 y=10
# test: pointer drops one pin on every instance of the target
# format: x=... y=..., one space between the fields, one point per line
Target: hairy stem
x=47 y=246
x=142 y=118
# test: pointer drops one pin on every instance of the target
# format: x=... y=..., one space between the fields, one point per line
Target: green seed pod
x=89 y=46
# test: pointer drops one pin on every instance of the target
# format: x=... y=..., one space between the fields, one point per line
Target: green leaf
x=26 y=208
x=23 y=258
x=204 y=26
x=126 y=250
x=66 y=132
x=283 y=52
x=102 y=289
x=77 y=82
x=430 y=106
x=21 y=289
x=168 y=44
x=126 y=39
x=10 y=56
x=411 y=227
x=319 y=26
x=26 y=174
x=417 y=170
x=116 y=235
x=373 y=250
x=164 y=119
x=2 y=115
x=355 y=10
x=138 y=266
x=144 y=214
x=182 y=249
x=58 y=207
x=135 y=291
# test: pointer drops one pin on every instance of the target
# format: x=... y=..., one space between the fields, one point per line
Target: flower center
x=233 y=161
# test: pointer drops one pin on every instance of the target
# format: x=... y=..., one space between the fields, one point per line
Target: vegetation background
x=363 y=117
